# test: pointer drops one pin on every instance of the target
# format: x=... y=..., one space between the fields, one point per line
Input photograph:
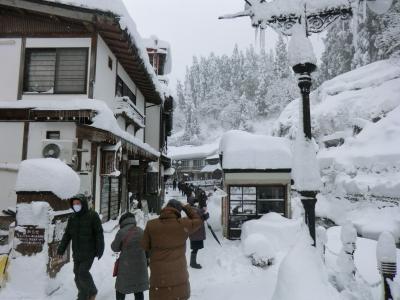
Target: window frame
x=120 y=83
x=57 y=62
x=257 y=200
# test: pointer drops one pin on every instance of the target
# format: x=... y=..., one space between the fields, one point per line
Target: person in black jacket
x=85 y=231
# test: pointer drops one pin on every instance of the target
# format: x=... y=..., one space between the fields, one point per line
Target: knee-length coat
x=132 y=273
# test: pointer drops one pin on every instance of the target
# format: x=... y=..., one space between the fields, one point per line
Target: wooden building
x=256 y=176
x=77 y=85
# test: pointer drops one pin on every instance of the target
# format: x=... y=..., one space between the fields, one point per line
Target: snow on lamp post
x=300 y=18
x=387 y=261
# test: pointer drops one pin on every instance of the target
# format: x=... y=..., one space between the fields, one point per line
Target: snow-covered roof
x=47 y=175
x=243 y=150
x=211 y=168
x=118 y=8
x=104 y=118
x=162 y=47
x=192 y=152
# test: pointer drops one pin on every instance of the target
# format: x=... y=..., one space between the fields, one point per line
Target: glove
x=205 y=216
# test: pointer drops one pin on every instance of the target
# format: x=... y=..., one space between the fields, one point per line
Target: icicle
x=364 y=8
x=256 y=36
x=355 y=22
x=262 y=38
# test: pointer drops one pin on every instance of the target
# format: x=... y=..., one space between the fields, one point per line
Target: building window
x=258 y=200
x=198 y=163
x=52 y=135
x=56 y=70
x=184 y=163
x=110 y=63
x=122 y=90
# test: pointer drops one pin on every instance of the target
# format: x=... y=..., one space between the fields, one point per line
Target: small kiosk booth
x=257 y=178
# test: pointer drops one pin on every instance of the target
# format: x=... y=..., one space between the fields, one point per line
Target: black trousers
x=120 y=296
x=83 y=279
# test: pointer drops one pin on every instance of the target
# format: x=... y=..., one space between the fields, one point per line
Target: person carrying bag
x=131 y=266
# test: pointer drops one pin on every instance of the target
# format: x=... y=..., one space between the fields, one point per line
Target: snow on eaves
x=243 y=150
x=103 y=120
x=118 y=8
x=192 y=152
x=47 y=175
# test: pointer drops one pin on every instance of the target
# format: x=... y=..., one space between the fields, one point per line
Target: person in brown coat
x=165 y=240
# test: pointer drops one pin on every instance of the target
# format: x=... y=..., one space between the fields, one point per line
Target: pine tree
x=388 y=42
x=281 y=65
x=339 y=51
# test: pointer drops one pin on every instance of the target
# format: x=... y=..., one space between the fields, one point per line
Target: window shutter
x=40 y=70
x=71 y=71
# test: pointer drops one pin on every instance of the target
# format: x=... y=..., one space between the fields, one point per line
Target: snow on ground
x=365 y=259
x=370 y=217
x=227 y=273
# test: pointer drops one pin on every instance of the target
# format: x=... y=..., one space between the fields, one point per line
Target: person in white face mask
x=85 y=231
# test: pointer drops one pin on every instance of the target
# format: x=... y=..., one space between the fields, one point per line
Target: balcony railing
x=124 y=106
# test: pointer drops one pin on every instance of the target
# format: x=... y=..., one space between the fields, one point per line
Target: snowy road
x=226 y=274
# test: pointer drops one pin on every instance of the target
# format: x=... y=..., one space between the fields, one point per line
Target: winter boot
x=193 y=263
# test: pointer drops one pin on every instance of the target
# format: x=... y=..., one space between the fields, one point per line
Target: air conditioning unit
x=64 y=150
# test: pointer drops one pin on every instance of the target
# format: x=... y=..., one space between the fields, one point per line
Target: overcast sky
x=192 y=28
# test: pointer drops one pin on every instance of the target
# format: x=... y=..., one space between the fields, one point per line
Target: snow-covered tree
x=388 y=42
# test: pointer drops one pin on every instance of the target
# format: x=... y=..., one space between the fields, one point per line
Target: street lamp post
x=314 y=16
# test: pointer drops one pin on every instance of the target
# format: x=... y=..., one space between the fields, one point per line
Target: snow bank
x=104 y=118
x=47 y=175
x=281 y=233
x=370 y=218
x=302 y=276
x=364 y=93
x=243 y=150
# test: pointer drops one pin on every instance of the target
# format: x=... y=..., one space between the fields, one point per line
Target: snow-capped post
x=41 y=218
x=387 y=261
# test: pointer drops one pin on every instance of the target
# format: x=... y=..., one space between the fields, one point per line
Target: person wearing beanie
x=85 y=230
x=165 y=240
x=131 y=257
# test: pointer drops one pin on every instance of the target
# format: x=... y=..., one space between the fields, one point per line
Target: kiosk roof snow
x=47 y=175
x=245 y=151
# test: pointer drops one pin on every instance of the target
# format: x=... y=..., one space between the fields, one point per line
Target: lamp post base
x=309 y=199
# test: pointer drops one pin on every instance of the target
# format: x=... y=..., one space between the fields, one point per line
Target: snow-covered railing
x=124 y=105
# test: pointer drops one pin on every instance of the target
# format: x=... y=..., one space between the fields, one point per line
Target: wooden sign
x=31 y=239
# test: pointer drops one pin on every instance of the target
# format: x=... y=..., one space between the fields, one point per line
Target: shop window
x=56 y=70
x=271 y=199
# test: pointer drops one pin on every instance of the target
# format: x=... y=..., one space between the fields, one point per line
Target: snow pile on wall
x=104 y=118
x=280 y=233
x=302 y=276
x=35 y=214
x=47 y=175
x=243 y=150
